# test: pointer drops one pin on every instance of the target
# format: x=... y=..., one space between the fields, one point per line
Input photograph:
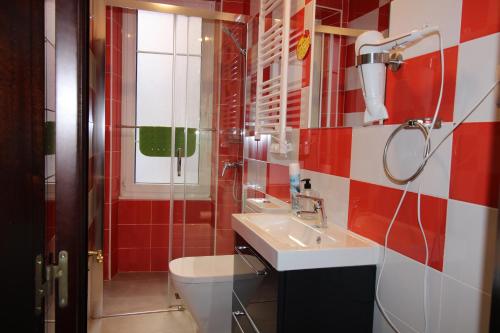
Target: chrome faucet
x=231 y=165
x=319 y=205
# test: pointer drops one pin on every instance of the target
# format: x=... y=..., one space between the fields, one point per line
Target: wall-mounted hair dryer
x=373 y=53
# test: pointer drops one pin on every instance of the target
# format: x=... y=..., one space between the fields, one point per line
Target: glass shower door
x=190 y=215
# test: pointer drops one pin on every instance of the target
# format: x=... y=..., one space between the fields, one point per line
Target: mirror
x=336 y=95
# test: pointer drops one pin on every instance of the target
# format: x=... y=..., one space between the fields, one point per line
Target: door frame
x=22 y=108
x=72 y=105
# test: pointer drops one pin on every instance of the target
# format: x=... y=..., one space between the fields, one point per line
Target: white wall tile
x=478 y=68
x=352 y=81
x=296 y=5
x=402 y=291
x=368 y=21
x=354 y=119
x=404 y=156
x=464 y=309
x=247 y=141
x=257 y=175
x=50 y=21
x=407 y=15
x=305 y=107
x=294 y=75
x=335 y=191
x=50 y=77
x=50 y=168
x=470 y=244
x=308 y=15
x=380 y=324
x=292 y=137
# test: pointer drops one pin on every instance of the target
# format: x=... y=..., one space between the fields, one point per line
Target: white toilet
x=206 y=284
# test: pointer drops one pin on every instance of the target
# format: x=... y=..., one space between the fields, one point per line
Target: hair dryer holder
x=393 y=60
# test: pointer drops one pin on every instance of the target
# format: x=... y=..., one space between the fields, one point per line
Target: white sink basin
x=289 y=243
x=292 y=231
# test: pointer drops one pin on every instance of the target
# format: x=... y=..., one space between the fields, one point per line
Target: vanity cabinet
x=329 y=300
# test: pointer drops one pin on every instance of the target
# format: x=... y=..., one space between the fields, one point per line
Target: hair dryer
x=372 y=54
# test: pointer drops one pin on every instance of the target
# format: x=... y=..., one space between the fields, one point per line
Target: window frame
x=129 y=189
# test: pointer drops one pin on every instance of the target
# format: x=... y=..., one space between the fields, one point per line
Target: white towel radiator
x=273 y=49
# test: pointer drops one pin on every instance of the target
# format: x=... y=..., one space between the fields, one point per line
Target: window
x=162 y=70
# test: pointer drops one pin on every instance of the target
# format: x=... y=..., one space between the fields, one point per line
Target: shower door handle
x=178 y=153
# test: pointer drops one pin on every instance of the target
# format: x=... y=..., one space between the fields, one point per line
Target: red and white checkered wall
x=460 y=184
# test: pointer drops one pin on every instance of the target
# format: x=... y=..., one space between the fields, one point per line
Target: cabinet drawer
x=256 y=285
x=241 y=322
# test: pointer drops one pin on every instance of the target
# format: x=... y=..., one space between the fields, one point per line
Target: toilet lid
x=202 y=269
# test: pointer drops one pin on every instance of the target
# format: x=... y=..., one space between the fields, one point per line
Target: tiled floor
x=165 y=322
x=135 y=292
x=138 y=292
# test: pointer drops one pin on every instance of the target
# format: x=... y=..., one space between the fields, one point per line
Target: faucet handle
x=226 y=165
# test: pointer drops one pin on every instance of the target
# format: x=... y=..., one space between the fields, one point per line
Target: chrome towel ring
x=410 y=124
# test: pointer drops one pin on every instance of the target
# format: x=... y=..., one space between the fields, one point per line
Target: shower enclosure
x=176 y=105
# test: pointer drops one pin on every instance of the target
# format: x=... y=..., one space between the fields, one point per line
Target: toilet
x=206 y=284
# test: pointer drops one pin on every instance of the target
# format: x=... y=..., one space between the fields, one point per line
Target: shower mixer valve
x=231 y=165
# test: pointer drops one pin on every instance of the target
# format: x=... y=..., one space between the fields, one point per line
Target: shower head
x=235 y=40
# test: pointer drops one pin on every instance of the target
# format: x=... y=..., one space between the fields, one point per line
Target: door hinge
x=43 y=284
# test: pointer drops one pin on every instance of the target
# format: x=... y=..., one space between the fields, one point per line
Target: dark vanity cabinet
x=329 y=300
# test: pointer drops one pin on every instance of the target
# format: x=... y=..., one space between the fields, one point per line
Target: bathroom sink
x=290 y=243
x=293 y=232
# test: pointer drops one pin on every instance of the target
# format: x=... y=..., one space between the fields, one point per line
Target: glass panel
x=195 y=36
x=156 y=73
x=154 y=89
x=96 y=150
x=181 y=27
x=154 y=95
x=148 y=26
x=193 y=102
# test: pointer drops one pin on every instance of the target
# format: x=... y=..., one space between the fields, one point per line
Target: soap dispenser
x=308 y=205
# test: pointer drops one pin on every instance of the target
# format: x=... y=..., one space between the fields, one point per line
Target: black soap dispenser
x=307 y=204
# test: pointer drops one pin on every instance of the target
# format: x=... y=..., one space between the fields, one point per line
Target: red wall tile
x=359 y=8
x=134 y=212
x=383 y=17
x=475 y=163
x=134 y=260
x=278 y=183
x=479 y=18
x=159 y=259
x=413 y=91
x=350 y=56
x=293 y=109
x=371 y=208
x=225 y=242
x=134 y=236
x=326 y=150
x=160 y=210
x=236 y=6
x=354 y=101
x=159 y=235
